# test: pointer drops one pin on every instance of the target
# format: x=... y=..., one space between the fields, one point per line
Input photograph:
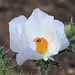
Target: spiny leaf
x=72 y=41
x=34 y=61
x=1 y=49
x=43 y=68
x=37 y=64
x=7 y=61
x=3 y=56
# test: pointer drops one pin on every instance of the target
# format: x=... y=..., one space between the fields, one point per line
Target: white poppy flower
x=38 y=37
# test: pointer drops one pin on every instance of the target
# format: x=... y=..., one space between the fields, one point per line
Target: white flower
x=38 y=37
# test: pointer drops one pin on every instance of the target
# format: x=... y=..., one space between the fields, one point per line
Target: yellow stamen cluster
x=41 y=45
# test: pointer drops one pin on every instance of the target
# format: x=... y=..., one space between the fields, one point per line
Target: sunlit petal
x=38 y=23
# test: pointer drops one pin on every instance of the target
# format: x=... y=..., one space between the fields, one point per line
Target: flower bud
x=70 y=30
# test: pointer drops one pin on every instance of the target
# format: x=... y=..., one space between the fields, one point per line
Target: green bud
x=70 y=30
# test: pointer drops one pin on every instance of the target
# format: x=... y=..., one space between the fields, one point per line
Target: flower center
x=41 y=45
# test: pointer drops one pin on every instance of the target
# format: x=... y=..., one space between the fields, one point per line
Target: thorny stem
x=42 y=64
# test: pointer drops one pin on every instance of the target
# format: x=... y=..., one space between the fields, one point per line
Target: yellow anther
x=41 y=45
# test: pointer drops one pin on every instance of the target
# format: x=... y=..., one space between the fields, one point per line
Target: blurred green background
x=61 y=9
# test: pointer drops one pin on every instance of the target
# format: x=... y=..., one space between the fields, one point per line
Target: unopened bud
x=70 y=30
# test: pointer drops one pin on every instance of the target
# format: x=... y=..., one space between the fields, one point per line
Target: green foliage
x=72 y=41
x=3 y=63
x=70 y=30
x=44 y=65
x=4 y=68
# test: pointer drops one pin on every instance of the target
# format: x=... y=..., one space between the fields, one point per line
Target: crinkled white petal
x=27 y=54
x=58 y=27
x=53 y=51
x=54 y=44
x=38 y=24
x=18 y=39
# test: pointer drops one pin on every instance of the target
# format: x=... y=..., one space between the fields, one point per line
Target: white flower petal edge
x=27 y=54
x=38 y=24
x=58 y=27
x=18 y=40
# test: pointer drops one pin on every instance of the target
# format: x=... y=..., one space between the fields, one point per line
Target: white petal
x=18 y=23
x=53 y=50
x=18 y=42
x=18 y=39
x=58 y=27
x=32 y=45
x=27 y=54
x=51 y=58
x=38 y=24
x=54 y=44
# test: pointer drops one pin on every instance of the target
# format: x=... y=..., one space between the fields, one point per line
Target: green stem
x=43 y=73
